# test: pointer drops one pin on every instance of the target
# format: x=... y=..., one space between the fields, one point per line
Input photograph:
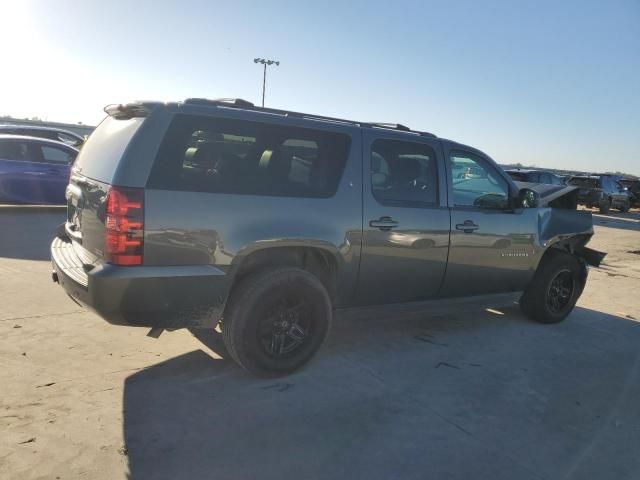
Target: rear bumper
x=147 y=296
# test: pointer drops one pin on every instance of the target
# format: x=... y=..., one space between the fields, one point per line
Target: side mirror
x=528 y=198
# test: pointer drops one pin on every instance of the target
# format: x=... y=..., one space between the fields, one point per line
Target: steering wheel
x=418 y=184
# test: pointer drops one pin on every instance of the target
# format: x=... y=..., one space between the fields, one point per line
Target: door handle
x=384 y=223
x=467 y=226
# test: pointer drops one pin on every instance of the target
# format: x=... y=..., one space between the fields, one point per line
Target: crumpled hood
x=550 y=193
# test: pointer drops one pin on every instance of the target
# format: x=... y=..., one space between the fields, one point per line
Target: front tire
x=555 y=289
x=276 y=321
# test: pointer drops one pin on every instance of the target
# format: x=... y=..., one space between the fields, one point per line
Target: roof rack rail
x=308 y=116
x=394 y=126
x=400 y=127
x=232 y=102
x=428 y=134
x=240 y=103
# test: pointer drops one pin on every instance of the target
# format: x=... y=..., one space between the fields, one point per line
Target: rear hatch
x=105 y=223
x=588 y=188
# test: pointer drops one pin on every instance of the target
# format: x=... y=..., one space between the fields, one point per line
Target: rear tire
x=605 y=206
x=276 y=320
x=554 y=290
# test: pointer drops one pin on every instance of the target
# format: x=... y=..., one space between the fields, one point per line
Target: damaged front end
x=561 y=225
x=568 y=230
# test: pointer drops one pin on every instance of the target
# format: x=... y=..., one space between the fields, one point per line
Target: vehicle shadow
x=482 y=395
x=27 y=232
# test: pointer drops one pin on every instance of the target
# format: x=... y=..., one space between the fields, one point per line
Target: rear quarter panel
x=195 y=228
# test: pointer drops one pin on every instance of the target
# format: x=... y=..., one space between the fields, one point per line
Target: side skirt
x=439 y=306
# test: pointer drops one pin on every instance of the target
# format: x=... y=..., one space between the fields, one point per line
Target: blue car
x=34 y=170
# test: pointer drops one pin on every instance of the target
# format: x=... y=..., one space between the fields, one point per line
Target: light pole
x=265 y=62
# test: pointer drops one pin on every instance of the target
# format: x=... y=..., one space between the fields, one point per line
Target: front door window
x=476 y=183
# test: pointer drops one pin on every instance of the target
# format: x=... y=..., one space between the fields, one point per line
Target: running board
x=441 y=306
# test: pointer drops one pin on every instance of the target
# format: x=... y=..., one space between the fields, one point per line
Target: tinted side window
x=56 y=155
x=14 y=150
x=476 y=183
x=403 y=173
x=216 y=155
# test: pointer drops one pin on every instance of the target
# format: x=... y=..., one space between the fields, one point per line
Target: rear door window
x=217 y=155
x=14 y=150
x=403 y=173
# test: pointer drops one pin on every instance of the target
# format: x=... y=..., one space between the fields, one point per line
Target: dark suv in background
x=602 y=191
x=263 y=221
x=633 y=187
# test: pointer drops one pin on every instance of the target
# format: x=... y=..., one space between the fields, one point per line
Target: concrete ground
x=477 y=394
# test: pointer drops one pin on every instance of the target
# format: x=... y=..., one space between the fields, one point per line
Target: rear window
x=518 y=176
x=100 y=154
x=584 y=182
x=205 y=154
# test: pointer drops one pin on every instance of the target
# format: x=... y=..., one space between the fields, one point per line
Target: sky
x=548 y=83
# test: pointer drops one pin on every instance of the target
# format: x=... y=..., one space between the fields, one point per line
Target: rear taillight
x=124 y=223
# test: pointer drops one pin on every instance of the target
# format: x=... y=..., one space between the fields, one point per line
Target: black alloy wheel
x=560 y=291
x=286 y=329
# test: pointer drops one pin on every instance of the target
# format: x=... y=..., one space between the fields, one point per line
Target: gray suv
x=263 y=222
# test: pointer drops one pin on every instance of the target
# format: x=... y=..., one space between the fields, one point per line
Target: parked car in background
x=602 y=191
x=34 y=170
x=633 y=187
x=534 y=176
x=211 y=213
x=57 y=134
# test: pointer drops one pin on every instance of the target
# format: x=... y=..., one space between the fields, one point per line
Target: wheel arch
x=319 y=260
x=575 y=246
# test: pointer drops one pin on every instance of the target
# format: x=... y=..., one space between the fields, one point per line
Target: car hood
x=550 y=193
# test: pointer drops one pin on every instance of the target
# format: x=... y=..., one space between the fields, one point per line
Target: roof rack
x=232 y=102
x=400 y=127
x=394 y=126
x=244 y=104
